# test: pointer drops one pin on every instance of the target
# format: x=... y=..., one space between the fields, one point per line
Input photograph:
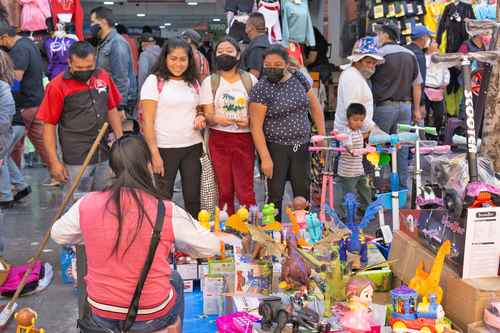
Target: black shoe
x=21 y=194
x=6 y=204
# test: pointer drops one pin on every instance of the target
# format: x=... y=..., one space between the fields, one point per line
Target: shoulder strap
x=134 y=304
x=214 y=83
x=247 y=81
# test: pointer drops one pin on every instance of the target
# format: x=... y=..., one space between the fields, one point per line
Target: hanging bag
x=209 y=193
x=88 y=325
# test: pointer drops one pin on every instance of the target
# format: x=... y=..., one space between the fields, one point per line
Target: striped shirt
x=352 y=166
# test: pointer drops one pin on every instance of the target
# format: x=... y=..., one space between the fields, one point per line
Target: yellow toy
x=243 y=214
x=204 y=218
x=428 y=283
x=26 y=321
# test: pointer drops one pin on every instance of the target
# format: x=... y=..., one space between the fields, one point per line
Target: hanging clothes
x=433 y=12
x=34 y=14
x=242 y=6
x=296 y=22
x=485 y=11
x=453 y=24
x=271 y=12
x=72 y=8
x=295 y=51
x=57 y=49
x=13 y=11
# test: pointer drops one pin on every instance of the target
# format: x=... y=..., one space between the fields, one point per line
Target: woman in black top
x=279 y=107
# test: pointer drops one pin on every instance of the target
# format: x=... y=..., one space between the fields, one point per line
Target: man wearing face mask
x=253 y=57
x=113 y=54
x=354 y=86
x=78 y=102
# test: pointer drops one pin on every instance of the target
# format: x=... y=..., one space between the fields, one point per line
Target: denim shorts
x=149 y=326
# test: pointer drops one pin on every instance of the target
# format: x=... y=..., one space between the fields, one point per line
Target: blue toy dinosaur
x=356 y=242
x=314 y=228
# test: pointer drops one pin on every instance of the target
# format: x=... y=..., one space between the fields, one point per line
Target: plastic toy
x=356 y=243
x=204 y=218
x=428 y=283
x=359 y=293
x=492 y=314
x=266 y=246
x=273 y=311
x=299 y=206
x=26 y=321
x=243 y=214
x=314 y=228
x=295 y=271
x=268 y=214
x=296 y=229
x=407 y=316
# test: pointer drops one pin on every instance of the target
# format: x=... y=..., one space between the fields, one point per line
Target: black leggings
x=187 y=160
x=288 y=164
x=434 y=111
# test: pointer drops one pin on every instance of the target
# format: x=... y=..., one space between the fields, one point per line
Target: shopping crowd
x=161 y=104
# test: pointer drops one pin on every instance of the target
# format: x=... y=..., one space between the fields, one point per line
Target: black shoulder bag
x=87 y=325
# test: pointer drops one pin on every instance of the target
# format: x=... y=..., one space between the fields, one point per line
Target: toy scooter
x=419 y=193
x=327 y=181
x=397 y=195
x=478 y=194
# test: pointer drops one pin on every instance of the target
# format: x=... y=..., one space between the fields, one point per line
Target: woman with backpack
x=121 y=227
x=172 y=122
x=224 y=97
x=279 y=106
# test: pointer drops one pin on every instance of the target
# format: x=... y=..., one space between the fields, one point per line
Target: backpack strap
x=246 y=79
x=214 y=83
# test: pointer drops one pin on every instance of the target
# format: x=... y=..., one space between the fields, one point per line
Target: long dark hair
x=161 y=70
x=129 y=158
x=6 y=68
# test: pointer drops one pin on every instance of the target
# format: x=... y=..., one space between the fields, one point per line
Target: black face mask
x=225 y=62
x=83 y=76
x=94 y=29
x=273 y=74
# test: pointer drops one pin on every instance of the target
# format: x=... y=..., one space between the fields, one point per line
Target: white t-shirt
x=231 y=101
x=174 y=123
x=353 y=88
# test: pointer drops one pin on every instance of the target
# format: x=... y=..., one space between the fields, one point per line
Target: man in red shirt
x=77 y=103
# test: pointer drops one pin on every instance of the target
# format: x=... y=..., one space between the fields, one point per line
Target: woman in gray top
x=10 y=175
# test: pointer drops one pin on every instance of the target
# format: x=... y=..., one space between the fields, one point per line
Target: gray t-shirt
x=286 y=120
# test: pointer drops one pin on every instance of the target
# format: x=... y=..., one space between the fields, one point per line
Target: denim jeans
x=387 y=116
x=10 y=175
x=95 y=178
x=156 y=324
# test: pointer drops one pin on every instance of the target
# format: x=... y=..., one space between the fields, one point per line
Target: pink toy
x=434 y=150
x=239 y=322
x=492 y=314
x=358 y=319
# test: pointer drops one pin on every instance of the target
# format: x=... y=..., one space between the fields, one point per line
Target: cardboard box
x=381 y=278
x=188 y=271
x=465 y=300
x=213 y=305
x=478 y=327
x=254 y=278
x=188 y=286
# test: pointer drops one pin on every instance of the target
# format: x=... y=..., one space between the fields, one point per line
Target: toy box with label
x=223 y=268
x=254 y=277
x=475 y=237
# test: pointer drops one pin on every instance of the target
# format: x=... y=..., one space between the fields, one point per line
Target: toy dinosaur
x=428 y=283
x=265 y=246
x=296 y=229
x=314 y=228
x=295 y=270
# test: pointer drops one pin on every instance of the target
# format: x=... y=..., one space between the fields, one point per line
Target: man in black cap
x=149 y=55
x=396 y=87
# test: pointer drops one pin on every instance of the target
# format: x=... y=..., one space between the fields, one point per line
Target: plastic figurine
x=204 y=218
x=243 y=213
x=314 y=228
x=427 y=316
x=426 y=283
x=26 y=321
x=296 y=229
x=273 y=311
x=359 y=293
x=492 y=314
x=295 y=270
x=268 y=214
x=299 y=206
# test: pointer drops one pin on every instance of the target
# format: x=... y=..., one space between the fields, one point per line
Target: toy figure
x=359 y=293
x=314 y=228
x=264 y=246
x=295 y=270
x=26 y=320
x=268 y=213
x=299 y=206
x=273 y=311
x=426 y=283
x=296 y=229
x=204 y=218
x=243 y=214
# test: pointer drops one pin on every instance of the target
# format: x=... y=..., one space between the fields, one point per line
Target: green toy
x=268 y=213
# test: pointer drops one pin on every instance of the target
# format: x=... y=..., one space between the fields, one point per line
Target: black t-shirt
x=26 y=57
x=253 y=57
x=321 y=48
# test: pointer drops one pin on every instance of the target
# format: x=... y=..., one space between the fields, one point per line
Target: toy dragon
x=295 y=270
x=356 y=242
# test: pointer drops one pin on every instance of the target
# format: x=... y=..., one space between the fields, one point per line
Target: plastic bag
x=67 y=257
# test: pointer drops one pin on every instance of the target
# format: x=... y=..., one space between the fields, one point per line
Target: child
x=350 y=173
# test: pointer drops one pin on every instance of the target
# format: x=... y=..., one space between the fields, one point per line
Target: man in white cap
x=353 y=84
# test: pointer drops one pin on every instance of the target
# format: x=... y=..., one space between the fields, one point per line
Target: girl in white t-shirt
x=230 y=142
x=172 y=124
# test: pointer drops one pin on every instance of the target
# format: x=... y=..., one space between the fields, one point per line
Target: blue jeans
x=95 y=178
x=10 y=175
x=156 y=324
x=387 y=116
